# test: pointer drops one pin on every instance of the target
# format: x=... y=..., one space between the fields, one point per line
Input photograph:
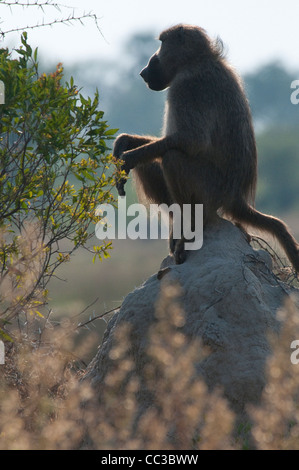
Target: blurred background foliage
x=132 y=108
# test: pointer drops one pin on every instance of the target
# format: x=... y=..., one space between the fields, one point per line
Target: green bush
x=54 y=171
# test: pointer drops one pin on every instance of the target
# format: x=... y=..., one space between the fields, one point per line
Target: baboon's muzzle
x=144 y=74
x=153 y=75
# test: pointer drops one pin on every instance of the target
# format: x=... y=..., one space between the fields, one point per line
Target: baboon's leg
x=150 y=180
x=150 y=183
x=191 y=181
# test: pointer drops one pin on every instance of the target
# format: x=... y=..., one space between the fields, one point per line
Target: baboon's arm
x=145 y=149
x=125 y=142
x=124 y=145
x=155 y=149
x=145 y=153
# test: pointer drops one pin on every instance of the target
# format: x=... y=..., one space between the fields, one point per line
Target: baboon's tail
x=245 y=213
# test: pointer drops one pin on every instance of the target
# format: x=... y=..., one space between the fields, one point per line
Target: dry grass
x=182 y=415
x=45 y=405
x=276 y=421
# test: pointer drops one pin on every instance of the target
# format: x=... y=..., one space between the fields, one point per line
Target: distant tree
x=132 y=107
x=269 y=90
x=128 y=104
x=278 y=181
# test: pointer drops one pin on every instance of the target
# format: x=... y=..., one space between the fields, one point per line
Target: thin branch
x=98 y=316
x=66 y=21
x=88 y=306
x=36 y=3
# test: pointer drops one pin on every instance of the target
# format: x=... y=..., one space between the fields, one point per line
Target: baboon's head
x=182 y=46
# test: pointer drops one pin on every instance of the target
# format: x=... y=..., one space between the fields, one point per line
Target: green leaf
x=35 y=54
x=110 y=132
x=5 y=336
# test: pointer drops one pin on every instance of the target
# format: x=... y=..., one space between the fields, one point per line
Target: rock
x=230 y=298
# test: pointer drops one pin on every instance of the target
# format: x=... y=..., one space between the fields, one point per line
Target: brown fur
x=207 y=154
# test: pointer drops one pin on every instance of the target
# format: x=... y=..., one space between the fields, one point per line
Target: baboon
x=207 y=153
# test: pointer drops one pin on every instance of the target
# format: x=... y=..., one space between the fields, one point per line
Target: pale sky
x=254 y=31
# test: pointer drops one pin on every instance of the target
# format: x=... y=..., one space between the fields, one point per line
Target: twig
x=97 y=317
x=36 y=3
x=86 y=308
x=65 y=21
x=258 y=240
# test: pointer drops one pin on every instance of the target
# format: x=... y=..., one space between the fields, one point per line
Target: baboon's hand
x=129 y=162
x=120 y=186
x=121 y=144
x=125 y=148
x=126 y=167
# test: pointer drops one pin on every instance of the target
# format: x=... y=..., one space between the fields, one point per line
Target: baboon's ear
x=181 y=35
